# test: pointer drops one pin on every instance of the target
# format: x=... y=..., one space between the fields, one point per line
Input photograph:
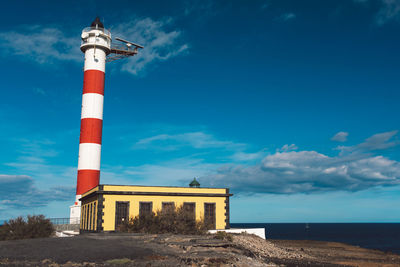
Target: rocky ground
x=177 y=250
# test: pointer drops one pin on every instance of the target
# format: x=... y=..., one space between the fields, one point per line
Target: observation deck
x=96 y=37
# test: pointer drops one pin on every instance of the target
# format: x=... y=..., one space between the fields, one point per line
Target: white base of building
x=75 y=212
x=66 y=233
x=254 y=231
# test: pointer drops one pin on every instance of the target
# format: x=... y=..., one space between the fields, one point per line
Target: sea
x=380 y=236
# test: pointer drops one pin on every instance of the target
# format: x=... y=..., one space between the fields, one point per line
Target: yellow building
x=107 y=206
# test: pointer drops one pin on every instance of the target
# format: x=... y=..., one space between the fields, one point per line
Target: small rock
x=46 y=261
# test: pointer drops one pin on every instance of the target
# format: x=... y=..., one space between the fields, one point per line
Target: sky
x=293 y=105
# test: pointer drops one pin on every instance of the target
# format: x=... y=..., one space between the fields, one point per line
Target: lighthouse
x=96 y=45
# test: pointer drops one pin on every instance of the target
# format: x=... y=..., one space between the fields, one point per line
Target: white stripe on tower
x=95 y=61
x=92 y=106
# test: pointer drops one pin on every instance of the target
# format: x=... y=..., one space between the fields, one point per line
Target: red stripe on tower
x=91 y=131
x=87 y=179
x=93 y=82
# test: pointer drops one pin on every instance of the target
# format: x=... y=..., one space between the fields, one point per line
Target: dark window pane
x=145 y=208
x=94 y=215
x=168 y=206
x=87 y=217
x=190 y=208
x=90 y=216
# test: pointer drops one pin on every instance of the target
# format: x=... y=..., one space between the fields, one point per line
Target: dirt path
x=75 y=249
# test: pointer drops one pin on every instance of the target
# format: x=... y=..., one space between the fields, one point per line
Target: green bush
x=175 y=221
x=33 y=227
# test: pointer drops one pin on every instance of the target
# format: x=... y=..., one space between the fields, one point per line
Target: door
x=209 y=215
x=121 y=213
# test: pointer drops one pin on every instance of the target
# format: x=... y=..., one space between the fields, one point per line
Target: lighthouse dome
x=97 y=23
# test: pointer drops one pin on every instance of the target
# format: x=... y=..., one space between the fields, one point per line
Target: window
x=145 y=208
x=190 y=208
x=87 y=217
x=209 y=214
x=168 y=206
x=94 y=216
x=82 y=226
x=90 y=216
x=121 y=212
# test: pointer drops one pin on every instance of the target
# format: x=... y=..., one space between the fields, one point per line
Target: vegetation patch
x=33 y=227
x=174 y=220
x=119 y=261
x=223 y=236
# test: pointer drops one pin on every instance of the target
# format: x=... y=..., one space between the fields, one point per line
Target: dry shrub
x=175 y=221
x=33 y=227
x=223 y=236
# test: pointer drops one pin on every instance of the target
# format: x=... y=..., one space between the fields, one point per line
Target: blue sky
x=293 y=105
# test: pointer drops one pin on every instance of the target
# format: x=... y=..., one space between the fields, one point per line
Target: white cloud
x=287 y=147
x=265 y=5
x=35 y=157
x=45 y=182
x=173 y=172
x=376 y=142
x=340 y=137
x=284 y=172
x=244 y=156
x=159 y=43
x=41 y=44
x=379 y=141
x=388 y=10
x=36 y=149
x=198 y=140
x=199 y=7
x=292 y=172
x=44 y=44
x=19 y=191
x=288 y=16
x=39 y=91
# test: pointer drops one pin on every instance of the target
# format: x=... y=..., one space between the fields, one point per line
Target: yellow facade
x=89 y=213
x=98 y=211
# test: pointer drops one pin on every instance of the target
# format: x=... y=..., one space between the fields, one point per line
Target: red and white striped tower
x=96 y=44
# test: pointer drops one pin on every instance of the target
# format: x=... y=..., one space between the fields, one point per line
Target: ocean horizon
x=380 y=236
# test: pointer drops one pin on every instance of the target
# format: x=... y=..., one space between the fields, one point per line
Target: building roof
x=194 y=191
